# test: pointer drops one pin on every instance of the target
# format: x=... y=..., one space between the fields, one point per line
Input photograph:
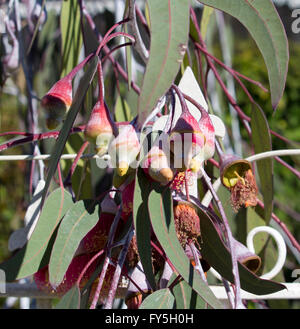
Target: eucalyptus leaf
x=36 y=252
x=263 y=23
x=214 y=251
x=70 y=300
x=77 y=222
x=261 y=139
x=169 y=37
x=185 y=296
x=160 y=299
x=142 y=223
x=71 y=38
x=161 y=214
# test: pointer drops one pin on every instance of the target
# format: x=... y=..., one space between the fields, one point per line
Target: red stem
x=88 y=265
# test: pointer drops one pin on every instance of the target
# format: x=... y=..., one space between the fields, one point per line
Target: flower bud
x=236 y=174
x=156 y=165
x=57 y=102
x=124 y=149
x=208 y=130
x=99 y=129
x=187 y=141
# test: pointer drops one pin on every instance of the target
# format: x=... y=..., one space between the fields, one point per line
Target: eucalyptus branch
x=107 y=50
x=118 y=270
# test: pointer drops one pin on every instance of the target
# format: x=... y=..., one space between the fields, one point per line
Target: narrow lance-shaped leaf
x=261 y=139
x=71 y=37
x=218 y=256
x=169 y=35
x=142 y=224
x=263 y=23
x=161 y=215
x=35 y=254
x=71 y=300
x=77 y=222
x=160 y=299
x=185 y=296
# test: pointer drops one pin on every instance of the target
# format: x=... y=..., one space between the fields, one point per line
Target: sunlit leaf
x=169 y=35
x=161 y=214
x=261 y=139
x=160 y=299
x=71 y=37
x=77 y=222
x=263 y=23
x=218 y=256
x=35 y=254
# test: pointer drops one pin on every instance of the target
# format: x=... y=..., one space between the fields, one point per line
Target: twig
x=118 y=270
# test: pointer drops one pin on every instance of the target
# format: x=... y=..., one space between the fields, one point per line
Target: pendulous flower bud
x=57 y=102
x=156 y=165
x=124 y=149
x=99 y=129
x=186 y=142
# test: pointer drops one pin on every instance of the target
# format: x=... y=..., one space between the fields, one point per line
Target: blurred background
x=238 y=50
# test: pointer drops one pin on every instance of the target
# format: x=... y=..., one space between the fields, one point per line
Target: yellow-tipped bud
x=122 y=168
x=195 y=165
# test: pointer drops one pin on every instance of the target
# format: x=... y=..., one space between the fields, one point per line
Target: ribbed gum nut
x=231 y=167
x=57 y=102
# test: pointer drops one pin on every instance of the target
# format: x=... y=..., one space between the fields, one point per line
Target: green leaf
x=161 y=214
x=142 y=223
x=71 y=116
x=185 y=296
x=35 y=254
x=122 y=110
x=70 y=300
x=160 y=299
x=263 y=23
x=206 y=15
x=71 y=37
x=218 y=256
x=77 y=222
x=261 y=139
x=169 y=37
